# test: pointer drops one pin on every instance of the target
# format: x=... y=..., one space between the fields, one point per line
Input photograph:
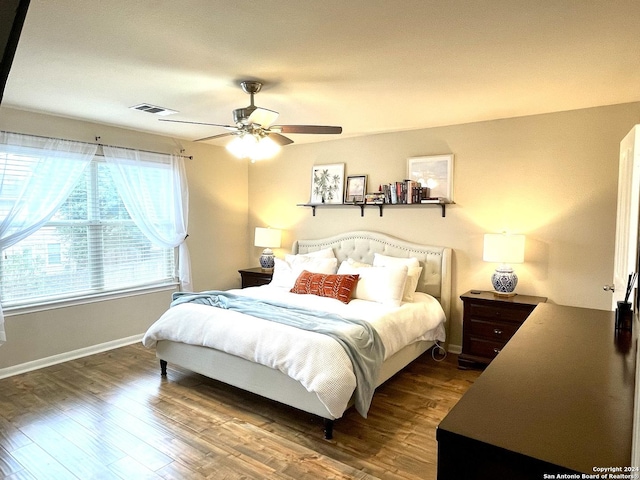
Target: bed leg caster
x=328 y=429
x=163 y=368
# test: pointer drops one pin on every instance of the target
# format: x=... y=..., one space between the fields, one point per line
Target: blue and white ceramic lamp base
x=267 y=260
x=504 y=281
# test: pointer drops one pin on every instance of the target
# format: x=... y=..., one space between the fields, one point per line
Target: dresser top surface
x=561 y=391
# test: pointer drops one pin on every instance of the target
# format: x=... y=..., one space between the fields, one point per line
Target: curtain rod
x=190 y=157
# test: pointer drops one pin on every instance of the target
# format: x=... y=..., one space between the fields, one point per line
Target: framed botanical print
x=327 y=183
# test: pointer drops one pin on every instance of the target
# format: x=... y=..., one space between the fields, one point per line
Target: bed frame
x=267 y=382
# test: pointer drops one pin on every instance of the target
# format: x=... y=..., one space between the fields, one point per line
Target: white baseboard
x=102 y=347
x=66 y=356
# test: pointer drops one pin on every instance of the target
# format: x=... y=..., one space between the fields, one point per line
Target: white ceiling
x=368 y=65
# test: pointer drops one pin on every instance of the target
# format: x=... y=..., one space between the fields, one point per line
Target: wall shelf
x=380 y=206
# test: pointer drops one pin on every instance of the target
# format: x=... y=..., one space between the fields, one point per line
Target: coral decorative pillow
x=325 y=285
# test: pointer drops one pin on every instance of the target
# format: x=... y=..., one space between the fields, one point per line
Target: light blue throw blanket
x=364 y=348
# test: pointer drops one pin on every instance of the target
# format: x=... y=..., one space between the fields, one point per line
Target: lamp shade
x=267 y=237
x=503 y=248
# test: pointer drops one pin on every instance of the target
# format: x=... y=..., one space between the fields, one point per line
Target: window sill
x=83 y=300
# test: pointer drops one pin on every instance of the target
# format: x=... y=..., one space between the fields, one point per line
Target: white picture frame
x=434 y=172
x=327 y=184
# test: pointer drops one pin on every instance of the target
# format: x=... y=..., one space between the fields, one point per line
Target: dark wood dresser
x=558 y=399
x=254 y=277
x=489 y=322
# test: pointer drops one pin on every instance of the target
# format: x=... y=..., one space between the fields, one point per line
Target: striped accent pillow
x=326 y=285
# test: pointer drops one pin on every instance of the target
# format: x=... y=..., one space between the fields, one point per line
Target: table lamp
x=504 y=249
x=267 y=238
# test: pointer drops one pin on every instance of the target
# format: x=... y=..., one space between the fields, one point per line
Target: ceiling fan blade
x=231 y=127
x=313 y=129
x=263 y=117
x=280 y=139
x=215 y=136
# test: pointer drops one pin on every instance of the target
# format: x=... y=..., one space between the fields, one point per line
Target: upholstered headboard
x=361 y=245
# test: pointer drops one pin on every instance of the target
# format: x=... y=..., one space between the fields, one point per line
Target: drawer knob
x=496 y=351
x=497 y=331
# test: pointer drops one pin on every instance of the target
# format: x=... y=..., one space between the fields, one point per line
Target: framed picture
x=435 y=173
x=327 y=183
x=356 y=189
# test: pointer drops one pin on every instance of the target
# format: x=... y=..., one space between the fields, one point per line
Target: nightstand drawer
x=255 y=277
x=499 y=331
x=254 y=281
x=489 y=322
x=482 y=347
x=499 y=312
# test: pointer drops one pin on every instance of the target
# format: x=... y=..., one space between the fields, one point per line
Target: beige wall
x=217 y=235
x=551 y=177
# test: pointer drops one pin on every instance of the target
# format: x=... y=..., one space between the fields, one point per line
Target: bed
x=353 y=251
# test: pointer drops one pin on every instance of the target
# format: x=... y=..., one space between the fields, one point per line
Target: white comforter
x=317 y=361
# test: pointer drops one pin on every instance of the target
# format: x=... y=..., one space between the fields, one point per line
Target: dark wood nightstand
x=254 y=277
x=489 y=322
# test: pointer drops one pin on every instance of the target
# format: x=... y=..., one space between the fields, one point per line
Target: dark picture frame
x=356 y=189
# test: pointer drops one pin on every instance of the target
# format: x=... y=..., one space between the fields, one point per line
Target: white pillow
x=324 y=253
x=413 y=273
x=380 y=260
x=355 y=263
x=378 y=284
x=286 y=271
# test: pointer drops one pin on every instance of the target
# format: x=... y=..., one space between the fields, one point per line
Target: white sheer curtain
x=154 y=190
x=36 y=176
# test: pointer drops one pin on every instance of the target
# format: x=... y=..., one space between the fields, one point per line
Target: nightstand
x=254 y=277
x=489 y=322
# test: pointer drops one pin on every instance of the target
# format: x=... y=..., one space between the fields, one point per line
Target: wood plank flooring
x=112 y=416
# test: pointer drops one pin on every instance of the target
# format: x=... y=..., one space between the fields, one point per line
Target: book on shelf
x=403 y=192
x=394 y=193
x=374 y=198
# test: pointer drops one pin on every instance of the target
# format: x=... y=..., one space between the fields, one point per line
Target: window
x=53 y=254
x=90 y=246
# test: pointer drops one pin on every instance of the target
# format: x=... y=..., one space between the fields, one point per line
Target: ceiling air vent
x=146 y=107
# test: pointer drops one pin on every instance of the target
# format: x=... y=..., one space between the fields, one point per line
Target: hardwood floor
x=112 y=416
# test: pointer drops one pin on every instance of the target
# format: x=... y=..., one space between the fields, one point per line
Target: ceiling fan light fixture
x=253 y=146
x=241 y=145
x=264 y=149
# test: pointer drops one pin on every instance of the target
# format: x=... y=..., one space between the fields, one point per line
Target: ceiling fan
x=257 y=122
